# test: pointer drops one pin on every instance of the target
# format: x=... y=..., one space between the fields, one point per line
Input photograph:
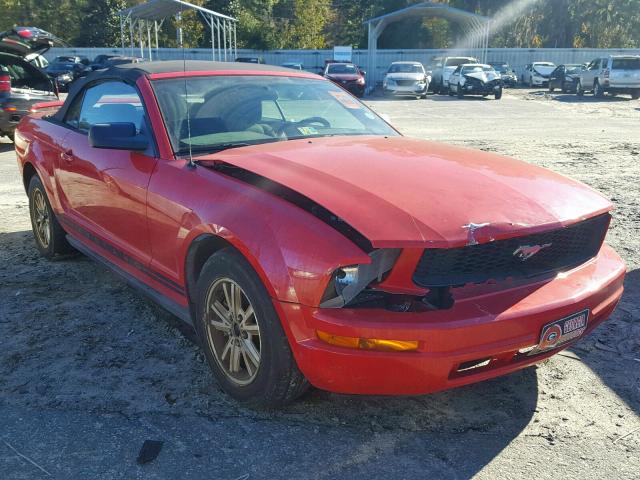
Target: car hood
x=405 y=76
x=401 y=192
x=542 y=70
x=484 y=77
x=57 y=69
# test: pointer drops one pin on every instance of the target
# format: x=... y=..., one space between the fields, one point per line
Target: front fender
x=293 y=252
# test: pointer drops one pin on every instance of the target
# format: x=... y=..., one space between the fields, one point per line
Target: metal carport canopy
x=479 y=27
x=223 y=27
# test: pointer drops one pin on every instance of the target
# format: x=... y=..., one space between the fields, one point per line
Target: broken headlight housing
x=347 y=282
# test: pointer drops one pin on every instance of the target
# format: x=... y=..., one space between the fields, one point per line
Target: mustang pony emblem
x=525 y=252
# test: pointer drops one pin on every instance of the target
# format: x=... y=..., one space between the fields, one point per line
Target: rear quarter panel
x=38 y=144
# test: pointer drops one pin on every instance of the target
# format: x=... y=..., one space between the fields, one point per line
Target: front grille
x=559 y=250
x=405 y=83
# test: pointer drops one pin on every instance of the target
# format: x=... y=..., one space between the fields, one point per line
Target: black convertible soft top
x=130 y=72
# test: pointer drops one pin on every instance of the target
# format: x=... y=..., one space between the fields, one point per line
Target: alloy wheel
x=40 y=219
x=233 y=331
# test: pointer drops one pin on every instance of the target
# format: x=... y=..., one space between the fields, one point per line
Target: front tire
x=580 y=89
x=460 y=92
x=49 y=236
x=498 y=94
x=241 y=334
x=635 y=95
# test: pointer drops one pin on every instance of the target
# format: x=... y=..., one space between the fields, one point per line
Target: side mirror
x=363 y=72
x=117 y=136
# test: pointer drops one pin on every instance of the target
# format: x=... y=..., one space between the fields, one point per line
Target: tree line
x=315 y=24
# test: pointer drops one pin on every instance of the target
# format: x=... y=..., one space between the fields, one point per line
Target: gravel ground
x=89 y=369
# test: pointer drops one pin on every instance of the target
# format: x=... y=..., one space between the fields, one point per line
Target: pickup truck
x=613 y=74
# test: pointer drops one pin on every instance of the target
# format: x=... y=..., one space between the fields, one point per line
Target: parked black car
x=258 y=60
x=67 y=68
x=101 y=61
x=110 y=62
x=508 y=75
x=566 y=77
x=22 y=85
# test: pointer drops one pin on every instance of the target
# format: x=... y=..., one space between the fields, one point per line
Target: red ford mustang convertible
x=308 y=242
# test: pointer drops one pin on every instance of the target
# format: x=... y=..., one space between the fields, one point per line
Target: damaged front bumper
x=480 y=337
x=478 y=88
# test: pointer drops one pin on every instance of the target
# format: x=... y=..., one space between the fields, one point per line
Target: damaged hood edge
x=411 y=206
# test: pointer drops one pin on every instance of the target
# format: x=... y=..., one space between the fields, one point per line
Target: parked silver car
x=406 y=78
x=537 y=74
x=475 y=79
x=444 y=70
x=613 y=74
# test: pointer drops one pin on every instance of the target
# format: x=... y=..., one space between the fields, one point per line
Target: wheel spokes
x=233 y=331
x=252 y=353
x=221 y=322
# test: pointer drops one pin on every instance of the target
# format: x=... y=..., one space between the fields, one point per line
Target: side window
x=73 y=114
x=595 y=65
x=110 y=102
x=605 y=63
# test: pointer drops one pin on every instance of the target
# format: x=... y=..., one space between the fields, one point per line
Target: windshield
x=454 y=62
x=573 y=68
x=342 y=68
x=626 y=63
x=544 y=64
x=477 y=68
x=64 y=60
x=227 y=111
x=406 y=68
x=501 y=67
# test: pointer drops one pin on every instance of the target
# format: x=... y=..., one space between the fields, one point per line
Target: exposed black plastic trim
x=123 y=256
x=172 y=307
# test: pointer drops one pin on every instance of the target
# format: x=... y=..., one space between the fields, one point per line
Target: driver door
x=589 y=75
x=104 y=192
x=454 y=80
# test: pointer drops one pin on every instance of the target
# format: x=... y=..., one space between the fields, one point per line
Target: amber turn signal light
x=368 y=343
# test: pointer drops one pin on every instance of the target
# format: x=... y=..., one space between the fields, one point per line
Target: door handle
x=67 y=155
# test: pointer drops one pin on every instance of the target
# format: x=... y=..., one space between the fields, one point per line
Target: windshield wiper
x=212 y=148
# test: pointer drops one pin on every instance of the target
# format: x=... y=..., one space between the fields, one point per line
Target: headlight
x=347 y=282
x=344 y=277
x=390 y=81
x=360 y=81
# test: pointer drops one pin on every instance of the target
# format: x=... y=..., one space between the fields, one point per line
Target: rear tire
x=580 y=89
x=450 y=92
x=551 y=89
x=51 y=239
x=460 y=93
x=597 y=90
x=264 y=374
